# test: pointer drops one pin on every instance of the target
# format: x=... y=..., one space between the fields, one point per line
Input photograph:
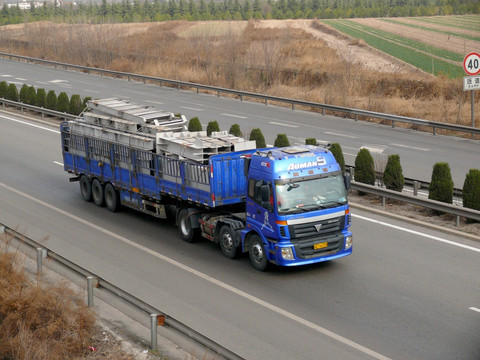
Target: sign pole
x=471 y=65
x=473 y=117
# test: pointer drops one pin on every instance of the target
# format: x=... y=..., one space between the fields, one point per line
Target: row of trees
x=193 y=10
x=39 y=97
x=441 y=184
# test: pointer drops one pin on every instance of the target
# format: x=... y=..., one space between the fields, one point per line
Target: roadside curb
x=416 y=222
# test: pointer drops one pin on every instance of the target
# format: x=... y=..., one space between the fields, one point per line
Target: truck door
x=260 y=207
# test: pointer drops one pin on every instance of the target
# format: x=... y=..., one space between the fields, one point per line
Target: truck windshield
x=307 y=195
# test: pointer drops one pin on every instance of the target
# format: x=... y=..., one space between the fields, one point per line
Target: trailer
x=286 y=206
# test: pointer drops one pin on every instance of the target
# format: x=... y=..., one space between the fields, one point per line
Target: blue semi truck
x=286 y=206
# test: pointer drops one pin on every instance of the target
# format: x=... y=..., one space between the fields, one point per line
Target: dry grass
x=283 y=61
x=39 y=321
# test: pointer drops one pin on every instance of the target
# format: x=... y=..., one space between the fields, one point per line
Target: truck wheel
x=85 y=188
x=97 y=192
x=227 y=242
x=112 y=198
x=187 y=233
x=258 y=257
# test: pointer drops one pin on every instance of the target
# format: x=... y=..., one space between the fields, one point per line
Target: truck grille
x=304 y=236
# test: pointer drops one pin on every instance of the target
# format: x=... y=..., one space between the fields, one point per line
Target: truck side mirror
x=347 y=180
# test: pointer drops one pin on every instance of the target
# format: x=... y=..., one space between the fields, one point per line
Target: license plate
x=322 y=245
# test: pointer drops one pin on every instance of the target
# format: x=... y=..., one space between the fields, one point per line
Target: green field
x=410 y=51
x=460 y=22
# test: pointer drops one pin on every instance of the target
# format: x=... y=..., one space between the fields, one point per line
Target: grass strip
x=462 y=24
x=463 y=36
x=408 y=55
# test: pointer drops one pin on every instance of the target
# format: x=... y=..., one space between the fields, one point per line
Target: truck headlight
x=348 y=242
x=287 y=253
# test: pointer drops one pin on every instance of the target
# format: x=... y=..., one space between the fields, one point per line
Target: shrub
x=337 y=152
x=85 y=100
x=235 y=130
x=41 y=98
x=31 y=95
x=257 y=135
x=23 y=96
x=310 y=141
x=393 y=175
x=12 y=92
x=471 y=190
x=194 y=124
x=441 y=185
x=75 y=106
x=63 y=103
x=3 y=89
x=364 y=167
x=281 y=141
x=212 y=126
x=51 y=100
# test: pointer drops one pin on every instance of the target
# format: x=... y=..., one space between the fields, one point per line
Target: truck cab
x=296 y=208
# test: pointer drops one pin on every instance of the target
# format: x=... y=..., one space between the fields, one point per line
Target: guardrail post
x=434 y=130
x=293 y=106
x=153 y=331
x=323 y=111
x=356 y=117
x=393 y=124
x=457 y=220
x=90 y=291
x=198 y=90
x=383 y=201
x=415 y=188
x=241 y=97
x=41 y=253
x=266 y=101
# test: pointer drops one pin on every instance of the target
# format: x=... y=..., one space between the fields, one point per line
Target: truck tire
x=112 y=198
x=85 y=188
x=258 y=256
x=227 y=242
x=98 y=192
x=187 y=232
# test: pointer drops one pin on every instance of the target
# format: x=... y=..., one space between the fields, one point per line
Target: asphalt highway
x=407 y=292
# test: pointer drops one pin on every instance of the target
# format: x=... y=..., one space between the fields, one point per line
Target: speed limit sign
x=471 y=64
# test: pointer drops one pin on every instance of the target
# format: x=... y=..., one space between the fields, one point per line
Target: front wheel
x=227 y=242
x=98 y=192
x=258 y=257
x=187 y=232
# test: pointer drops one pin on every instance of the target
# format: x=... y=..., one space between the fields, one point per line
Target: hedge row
x=39 y=97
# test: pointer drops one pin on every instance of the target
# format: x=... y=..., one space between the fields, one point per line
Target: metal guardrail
x=154 y=313
x=244 y=94
x=456 y=210
x=40 y=110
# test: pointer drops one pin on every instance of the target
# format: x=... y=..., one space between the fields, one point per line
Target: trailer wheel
x=98 y=192
x=258 y=257
x=187 y=232
x=112 y=198
x=227 y=242
x=85 y=188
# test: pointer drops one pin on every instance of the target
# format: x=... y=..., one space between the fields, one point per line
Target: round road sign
x=471 y=64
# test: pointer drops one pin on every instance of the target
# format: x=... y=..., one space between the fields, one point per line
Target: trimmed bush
x=471 y=190
x=12 y=92
x=441 y=185
x=41 y=98
x=51 y=100
x=257 y=135
x=23 y=96
x=212 y=126
x=75 y=106
x=337 y=152
x=235 y=130
x=194 y=124
x=31 y=95
x=364 y=167
x=85 y=100
x=393 y=175
x=281 y=141
x=3 y=89
x=310 y=141
x=63 y=103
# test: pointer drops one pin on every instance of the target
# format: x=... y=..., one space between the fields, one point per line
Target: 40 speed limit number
x=471 y=64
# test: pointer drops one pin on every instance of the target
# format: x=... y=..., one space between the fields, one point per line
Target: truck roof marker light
x=281 y=222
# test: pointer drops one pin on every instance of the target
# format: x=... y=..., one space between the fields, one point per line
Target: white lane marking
x=58 y=163
x=474 y=309
x=235 y=116
x=6 y=76
x=410 y=147
x=436 y=238
x=208 y=278
x=341 y=135
x=29 y=124
x=20 y=79
x=58 y=81
x=282 y=124
x=191 y=108
x=154 y=102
